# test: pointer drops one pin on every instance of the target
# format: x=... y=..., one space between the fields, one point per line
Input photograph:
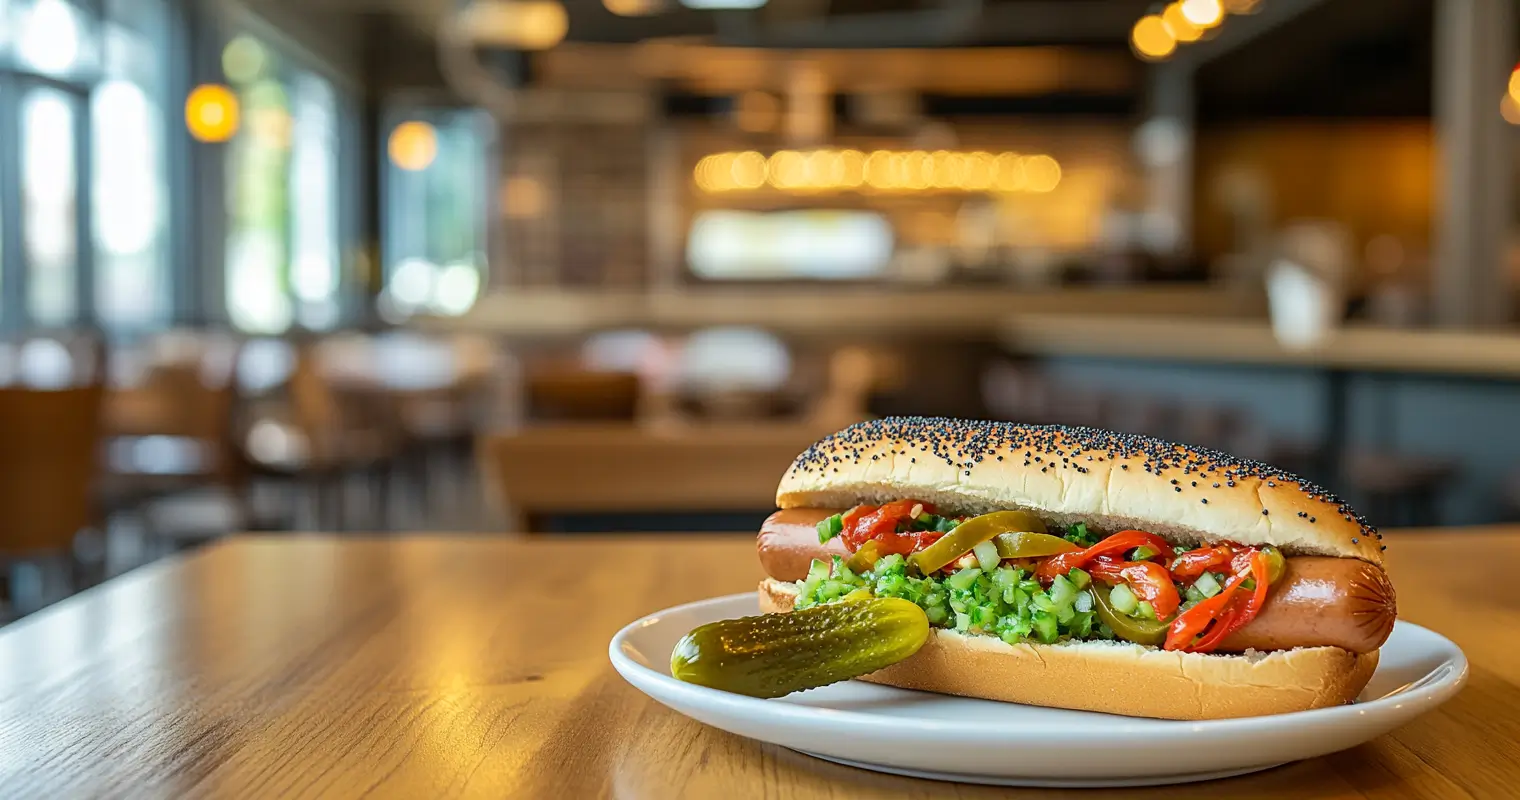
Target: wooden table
x=432 y=667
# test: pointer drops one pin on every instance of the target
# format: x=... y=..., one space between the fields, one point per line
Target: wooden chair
x=568 y=393
x=172 y=443
x=322 y=434
x=1399 y=489
x=48 y=466
x=611 y=468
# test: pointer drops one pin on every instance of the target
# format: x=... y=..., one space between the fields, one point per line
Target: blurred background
x=551 y=266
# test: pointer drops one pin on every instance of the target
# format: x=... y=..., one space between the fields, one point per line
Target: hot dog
x=1319 y=602
x=1057 y=566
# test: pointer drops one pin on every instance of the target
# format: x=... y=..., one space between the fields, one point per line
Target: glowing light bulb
x=211 y=113
x=413 y=145
x=1203 y=13
x=1178 y=25
x=1151 y=38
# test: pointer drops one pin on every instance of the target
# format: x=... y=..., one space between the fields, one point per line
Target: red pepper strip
x=1205 y=559
x=1118 y=543
x=1147 y=579
x=1242 y=610
x=851 y=526
x=864 y=523
x=1190 y=623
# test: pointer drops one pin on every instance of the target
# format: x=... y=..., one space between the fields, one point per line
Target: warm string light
x=413 y=145
x=801 y=171
x=1509 y=105
x=1156 y=36
x=211 y=113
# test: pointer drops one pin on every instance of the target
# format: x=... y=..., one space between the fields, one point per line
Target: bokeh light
x=1041 y=173
x=749 y=170
x=788 y=170
x=1178 y=25
x=826 y=170
x=1151 y=38
x=413 y=145
x=244 y=60
x=521 y=24
x=211 y=113
x=1509 y=108
x=633 y=8
x=1203 y=13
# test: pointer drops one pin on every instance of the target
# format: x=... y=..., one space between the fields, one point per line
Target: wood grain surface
x=422 y=667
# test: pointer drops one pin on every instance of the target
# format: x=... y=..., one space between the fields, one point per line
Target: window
x=48 y=180
x=129 y=184
x=314 y=203
x=284 y=242
x=807 y=244
x=258 y=165
x=83 y=85
x=435 y=210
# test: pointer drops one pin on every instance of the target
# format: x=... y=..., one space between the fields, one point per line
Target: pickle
x=776 y=654
x=971 y=533
x=1275 y=564
x=865 y=558
x=1026 y=544
x=1131 y=629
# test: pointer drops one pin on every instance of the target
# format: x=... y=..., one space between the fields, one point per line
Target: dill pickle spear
x=776 y=654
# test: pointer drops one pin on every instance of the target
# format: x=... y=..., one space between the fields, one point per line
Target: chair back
x=48 y=465
x=561 y=393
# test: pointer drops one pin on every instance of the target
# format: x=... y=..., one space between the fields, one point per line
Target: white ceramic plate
x=979 y=741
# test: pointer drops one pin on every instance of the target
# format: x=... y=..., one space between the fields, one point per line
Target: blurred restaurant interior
x=559 y=266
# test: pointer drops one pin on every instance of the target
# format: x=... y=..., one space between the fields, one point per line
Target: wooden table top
x=439 y=667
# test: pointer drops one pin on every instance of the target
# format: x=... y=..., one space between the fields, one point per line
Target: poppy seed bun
x=1111 y=481
x=1117 y=677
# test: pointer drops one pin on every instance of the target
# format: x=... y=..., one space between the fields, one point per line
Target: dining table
x=420 y=666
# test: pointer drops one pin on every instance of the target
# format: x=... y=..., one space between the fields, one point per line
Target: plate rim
x=1116 y=727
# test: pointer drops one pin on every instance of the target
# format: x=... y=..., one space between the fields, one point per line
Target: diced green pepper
x=830 y=527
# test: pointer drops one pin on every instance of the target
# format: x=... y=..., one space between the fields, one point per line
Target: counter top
x=422 y=666
x=821 y=310
x=1179 y=339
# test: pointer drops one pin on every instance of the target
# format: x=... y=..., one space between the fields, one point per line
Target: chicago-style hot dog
x=1078 y=568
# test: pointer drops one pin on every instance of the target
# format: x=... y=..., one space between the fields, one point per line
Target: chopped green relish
x=1005 y=602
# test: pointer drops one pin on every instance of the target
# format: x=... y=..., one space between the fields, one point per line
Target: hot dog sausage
x=788 y=543
x=1319 y=602
x=1335 y=602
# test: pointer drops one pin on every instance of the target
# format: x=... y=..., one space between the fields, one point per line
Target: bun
x=1111 y=481
x=1120 y=678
